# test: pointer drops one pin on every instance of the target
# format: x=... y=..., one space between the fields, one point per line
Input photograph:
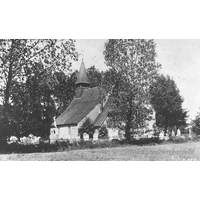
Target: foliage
x=95 y=76
x=196 y=124
x=133 y=68
x=87 y=127
x=103 y=132
x=35 y=103
x=167 y=102
x=64 y=90
x=23 y=63
x=32 y=104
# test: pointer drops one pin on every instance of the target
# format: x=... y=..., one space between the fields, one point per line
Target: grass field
x=168 y=152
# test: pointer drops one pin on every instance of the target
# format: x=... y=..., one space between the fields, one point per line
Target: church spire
x=82 y=82
x=82 y=75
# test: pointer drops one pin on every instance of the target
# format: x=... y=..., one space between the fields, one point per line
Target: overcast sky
x=179 y=58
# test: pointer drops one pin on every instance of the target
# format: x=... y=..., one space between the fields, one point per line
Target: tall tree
x=95 y=76
x=36 y=102
x=64 y=90
x=196 y=124
x=17 y=58
x=32 y=104
x=167 y=102
x=133 y=68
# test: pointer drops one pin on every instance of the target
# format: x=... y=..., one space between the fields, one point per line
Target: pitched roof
x=82 y=75
x=101 y=117
x=80 y=107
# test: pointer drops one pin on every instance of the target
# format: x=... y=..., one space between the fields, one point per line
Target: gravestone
x=96 y=135
x=178 y=133
x=190 y=133
x=173 y=133
x=166 y=137
x=161 y=135
x=85 y=136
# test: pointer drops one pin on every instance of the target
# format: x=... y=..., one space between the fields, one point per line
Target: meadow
x=189 y=151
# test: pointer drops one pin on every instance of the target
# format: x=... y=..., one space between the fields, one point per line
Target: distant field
x=184 y=151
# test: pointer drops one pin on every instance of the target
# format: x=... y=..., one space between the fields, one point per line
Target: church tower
x=83 y=82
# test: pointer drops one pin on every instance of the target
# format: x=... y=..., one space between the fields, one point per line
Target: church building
x=88 y=103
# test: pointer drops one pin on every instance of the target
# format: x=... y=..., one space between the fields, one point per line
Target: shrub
x=103 y=132
x=116 y=142
x=87 y=127
x=146 y=141
x=177 y=140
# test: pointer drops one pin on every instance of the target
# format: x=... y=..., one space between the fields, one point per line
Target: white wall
x=74 y=132
x=65 y=133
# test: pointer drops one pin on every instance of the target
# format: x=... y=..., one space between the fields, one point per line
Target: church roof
x=102 y=116
x=80 y=107
x=82 y=75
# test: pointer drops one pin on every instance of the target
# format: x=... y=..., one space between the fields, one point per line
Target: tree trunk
x=127 y=132
x=166 y=124
x=128 y=124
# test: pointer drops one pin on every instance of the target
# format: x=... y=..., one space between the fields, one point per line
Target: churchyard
x=121 y=110
x=189 y=151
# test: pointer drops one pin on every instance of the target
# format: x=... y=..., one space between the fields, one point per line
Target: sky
x=180 y=59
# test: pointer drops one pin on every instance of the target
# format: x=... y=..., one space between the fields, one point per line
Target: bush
x=66 y=145
x=116 y=142
x=177 y=140
x=146 y=141
x=103 y=133
x=87 y=127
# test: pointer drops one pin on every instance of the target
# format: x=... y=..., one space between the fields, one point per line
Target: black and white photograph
x=100 y=99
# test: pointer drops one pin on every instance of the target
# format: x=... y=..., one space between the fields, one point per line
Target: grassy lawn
x=180 y=152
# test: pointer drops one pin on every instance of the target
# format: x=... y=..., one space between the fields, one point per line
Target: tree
x=167 y=102
x=87 y=127
x=64 y=90
x=196 y=124
x=95 y=76
x=36 y=102
x=18 y=56
x=103 y=132
x=133 y=68
x=32 y=105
